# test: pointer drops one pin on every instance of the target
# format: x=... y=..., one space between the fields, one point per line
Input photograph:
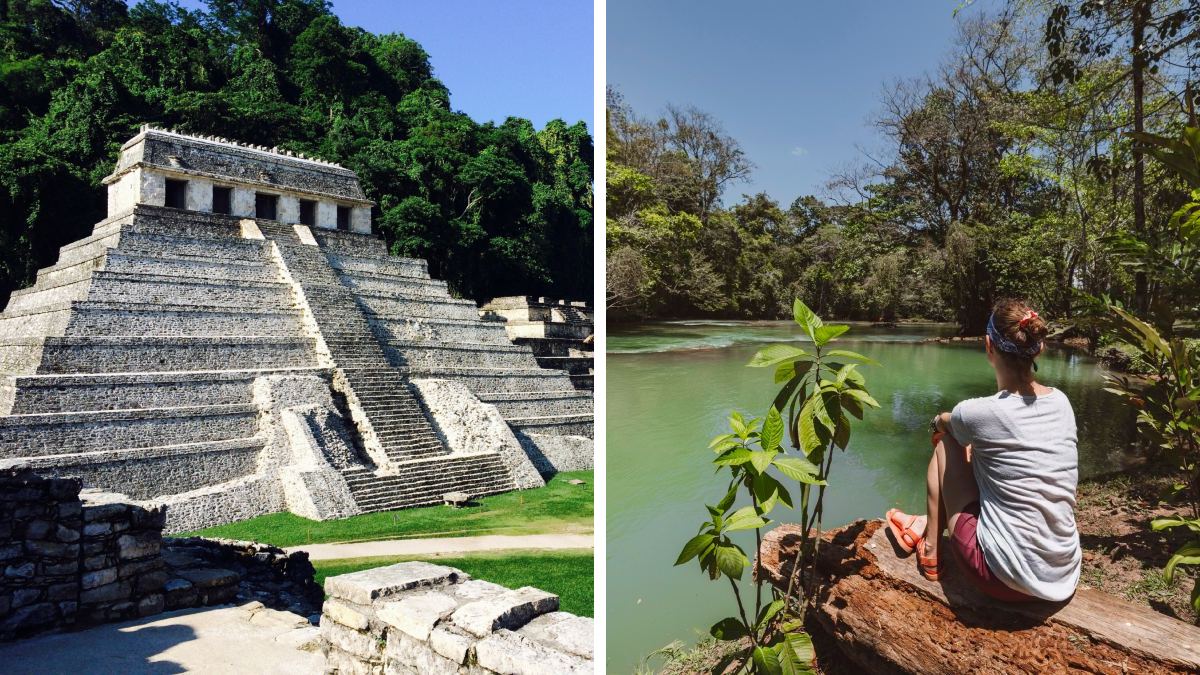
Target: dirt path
x=491 y=542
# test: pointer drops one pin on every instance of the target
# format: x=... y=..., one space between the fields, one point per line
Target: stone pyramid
x=232 y=340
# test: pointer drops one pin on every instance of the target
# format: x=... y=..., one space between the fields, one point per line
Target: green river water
x=670 y=388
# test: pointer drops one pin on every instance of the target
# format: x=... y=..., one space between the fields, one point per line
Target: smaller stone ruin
x=417 y=617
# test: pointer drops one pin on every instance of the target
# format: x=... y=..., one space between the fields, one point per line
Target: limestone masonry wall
x=70 y=561
x=417 y=617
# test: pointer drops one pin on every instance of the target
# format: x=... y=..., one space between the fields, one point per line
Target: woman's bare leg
x=951 y=486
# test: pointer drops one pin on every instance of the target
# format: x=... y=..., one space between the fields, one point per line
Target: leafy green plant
x=1188 y=554
x=1168 y=418
x=820 y=390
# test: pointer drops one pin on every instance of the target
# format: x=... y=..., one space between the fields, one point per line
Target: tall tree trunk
x=1141 y=15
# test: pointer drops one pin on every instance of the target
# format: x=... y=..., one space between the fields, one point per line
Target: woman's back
x=1025 y=463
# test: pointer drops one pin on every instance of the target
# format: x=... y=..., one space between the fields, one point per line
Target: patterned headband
x=1005 y=345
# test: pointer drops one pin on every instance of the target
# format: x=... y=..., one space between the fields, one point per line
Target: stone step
x=123 y=354
x=158 y=471
x=456 y=355
x=555 y=346
x=37 y=322
x=389 y=306
x=575 y=365
x=499 y=380
x=110 y=318
x=535 y=331
x=33 y=435
x=424 y=482
x=150 y=288
x=572 y=402
x=42 y=297
x=190 y=265
x=402 y=286
x=568 y=425
x=87 y=392
x=417 y=329
x=385 y=266
x=350 y=243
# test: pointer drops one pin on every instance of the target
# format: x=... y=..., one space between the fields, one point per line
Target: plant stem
x=742 y=611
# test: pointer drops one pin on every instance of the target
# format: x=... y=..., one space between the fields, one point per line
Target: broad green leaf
x=804 y=316
x=776 y=353
x=772 y=431
x=694 y=547
x=733 y=457
x=731 y=561
x=1196 y=596
x=728 y=628
x=799 y=469
x=823 y=335
x=766 y=492
x=761 y=459
x=853 y=406
x=862 y=397
x=809 y=440
x=725 y=445
x=744 y=518
x=841 y=437
x=796 y=653
x=846 y=355
x=1159 y=524
x=1188 y=554
x=766 y=661
x=717 y=440
x=768 y=613
x=845 y=371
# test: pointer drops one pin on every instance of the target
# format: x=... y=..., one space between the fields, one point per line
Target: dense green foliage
x=558 y=507
x=496 y=209
x=568 y=574
x=811 y=413
x=1007 y=172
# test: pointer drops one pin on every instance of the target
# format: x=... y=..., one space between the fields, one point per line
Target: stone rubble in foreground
x=419 y=617
x=233 y=340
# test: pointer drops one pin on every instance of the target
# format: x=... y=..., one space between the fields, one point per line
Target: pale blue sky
x=524 y=58
x=795 y=82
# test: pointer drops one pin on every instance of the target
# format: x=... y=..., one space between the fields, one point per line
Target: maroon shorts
x=970 y=557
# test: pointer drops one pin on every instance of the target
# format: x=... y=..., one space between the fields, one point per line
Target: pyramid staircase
x=388 y=414
x=426 y=333
x=131 y=363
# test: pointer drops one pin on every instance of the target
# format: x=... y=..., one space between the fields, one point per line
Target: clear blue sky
x=524 y=58
x=795 y=82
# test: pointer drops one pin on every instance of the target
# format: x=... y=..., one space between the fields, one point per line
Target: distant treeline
x=497 y=210
x=1008 y=171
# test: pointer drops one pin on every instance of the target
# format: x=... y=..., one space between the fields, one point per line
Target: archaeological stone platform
x=233 y=340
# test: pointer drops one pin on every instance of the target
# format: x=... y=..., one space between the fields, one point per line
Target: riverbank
x=1121 y=557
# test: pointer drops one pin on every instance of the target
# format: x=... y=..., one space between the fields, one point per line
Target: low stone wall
x=552 y=453
x=68 y=561
x=72 y=560
x=418 y=617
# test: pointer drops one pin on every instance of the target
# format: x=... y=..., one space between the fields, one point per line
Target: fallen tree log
x=884 y=617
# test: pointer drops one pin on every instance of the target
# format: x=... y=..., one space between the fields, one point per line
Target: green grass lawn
x=565 y=573
x=558 y=507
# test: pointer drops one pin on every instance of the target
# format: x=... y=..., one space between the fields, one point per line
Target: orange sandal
x=929 y=565
x=901 y=525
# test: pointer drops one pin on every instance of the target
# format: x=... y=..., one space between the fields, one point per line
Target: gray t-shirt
x=1027 y=467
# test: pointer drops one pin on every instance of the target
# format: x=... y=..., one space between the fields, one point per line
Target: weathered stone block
x=97 y=529
x=139 y=545
x=151 y=604
x=10 y=551
x=417 y=655
x=511 y=610
x=26 y=596
x=29 y=617
x=62 y=568
x=475 y=589
x=66 y=534
x=37 y=529
x=98 y=578
x=344 y=614
x=50 y=549
x=451 y=642
x=563 y=631
x=22 y=571
x=99 y=562
x=509 y=652
x=104 y=512
x=366 y=586
x=109 y=593
x=416 y=615
x=150 y=581
x=358 y=643
x=210 y=577
x=65 y=591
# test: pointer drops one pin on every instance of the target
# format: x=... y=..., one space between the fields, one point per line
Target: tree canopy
x=1009 y=170
x=496 y=209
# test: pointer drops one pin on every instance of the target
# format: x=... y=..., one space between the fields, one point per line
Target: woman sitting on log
x=1003 y=475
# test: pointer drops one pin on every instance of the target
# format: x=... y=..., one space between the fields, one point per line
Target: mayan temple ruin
x=233 y=340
